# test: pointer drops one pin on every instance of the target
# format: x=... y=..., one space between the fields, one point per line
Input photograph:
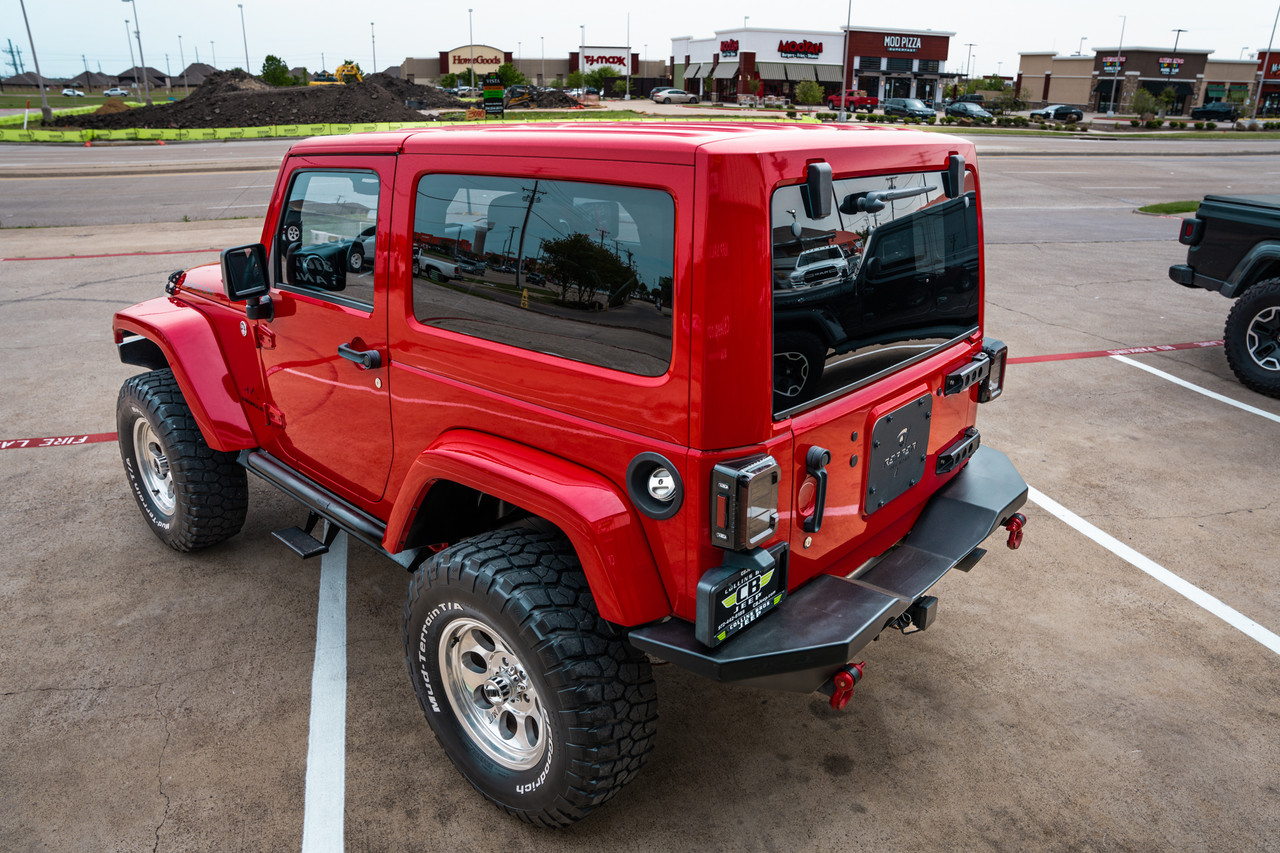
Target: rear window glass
x=889 y=276
x=573 y=269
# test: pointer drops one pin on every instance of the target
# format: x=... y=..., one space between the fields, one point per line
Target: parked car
x=72 y=93
x=853 y=99
x=907 y=107
x=656 y=92
x=1058 y=112
x=968 y=109
x=972 y=98
x=117 y=92
x=1216 y=111
x=675 y=96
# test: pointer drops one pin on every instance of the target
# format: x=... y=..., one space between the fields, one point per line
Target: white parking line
x=1189 y=591
x=1205 y=391
x=326 y=788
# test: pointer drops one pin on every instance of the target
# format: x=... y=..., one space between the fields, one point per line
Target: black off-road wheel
x=538 y=701
x=191 y=495
x=1252 y=338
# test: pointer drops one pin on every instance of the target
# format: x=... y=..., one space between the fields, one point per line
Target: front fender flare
x=587 y=507
x=190 y=347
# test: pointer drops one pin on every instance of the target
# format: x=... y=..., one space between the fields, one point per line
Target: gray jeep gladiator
x=1234 y=249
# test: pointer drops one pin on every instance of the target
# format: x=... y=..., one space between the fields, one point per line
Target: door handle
x=366 y=359
x=815 y=462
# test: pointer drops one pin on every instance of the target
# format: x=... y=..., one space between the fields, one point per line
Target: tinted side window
x=326 y=236
x=889 y=276
x=578 y=270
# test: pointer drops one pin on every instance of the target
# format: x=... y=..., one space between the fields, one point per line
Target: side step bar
x=321 y=503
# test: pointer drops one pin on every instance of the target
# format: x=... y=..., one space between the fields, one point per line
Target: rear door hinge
x=275 y=417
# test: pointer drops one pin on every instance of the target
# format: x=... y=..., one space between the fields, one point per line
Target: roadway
x=1111 y=685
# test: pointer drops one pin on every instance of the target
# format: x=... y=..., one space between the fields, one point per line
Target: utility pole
x=183 y=59
x=45 y=112
x=1115 y=100
x=373 y=42
x=133 y=69
x=244 y=35
x=142 y=60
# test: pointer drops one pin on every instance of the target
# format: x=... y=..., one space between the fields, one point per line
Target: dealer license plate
x=731 y=597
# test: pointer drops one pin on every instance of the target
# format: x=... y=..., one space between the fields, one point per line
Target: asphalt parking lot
x=1112 y=685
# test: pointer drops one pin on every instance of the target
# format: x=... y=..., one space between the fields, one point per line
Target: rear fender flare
x=189 y=345
x=587 y=507
x=1259 y=263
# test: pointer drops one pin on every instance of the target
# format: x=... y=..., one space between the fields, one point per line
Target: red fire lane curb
x=94 y=438
x=56 y=441
x=1067 y=356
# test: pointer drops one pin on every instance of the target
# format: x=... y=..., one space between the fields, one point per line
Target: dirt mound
x=419 y=97
x=551 y=99
x=112 y=105
x=236 y=102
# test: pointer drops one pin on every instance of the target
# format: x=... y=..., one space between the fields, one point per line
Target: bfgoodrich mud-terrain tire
x=534 y=697
x=1252 y=338
x=797 y=368
x=191 y=495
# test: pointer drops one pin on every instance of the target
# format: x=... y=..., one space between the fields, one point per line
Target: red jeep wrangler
x=581 y=445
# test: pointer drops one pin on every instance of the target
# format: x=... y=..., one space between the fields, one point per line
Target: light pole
x=183 y=59
x=1262 y=75
x=244 y=35
x=1111 y=110
x=214 y=53
x=471 y=40
x=1080 y=47
x=137 y=32
x=543 y=81
x=1242 y=50
x=745 y=18
x=844 y=63
x=128 y=39
x=967 y=62
x=373 y=43
x=45 y=112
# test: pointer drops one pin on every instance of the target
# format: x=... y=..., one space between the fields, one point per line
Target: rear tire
x=1252 y=338
x=191 y=495
x=538 y=701
x=798 y=360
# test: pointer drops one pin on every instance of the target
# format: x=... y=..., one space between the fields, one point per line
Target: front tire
x=538 y=701
x=191 y=495
x=1252 y=338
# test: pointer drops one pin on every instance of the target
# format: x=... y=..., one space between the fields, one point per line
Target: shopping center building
x=1108 y=80
x=887 y=63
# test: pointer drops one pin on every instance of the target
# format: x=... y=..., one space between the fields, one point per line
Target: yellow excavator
x=345 y=73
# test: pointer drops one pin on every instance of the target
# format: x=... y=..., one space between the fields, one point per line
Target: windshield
x=890 y=275
x=915 y=103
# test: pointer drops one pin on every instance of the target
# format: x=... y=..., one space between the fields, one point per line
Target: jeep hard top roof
x=659 y=142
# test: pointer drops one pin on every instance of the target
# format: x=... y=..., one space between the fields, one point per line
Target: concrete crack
x=160 y=770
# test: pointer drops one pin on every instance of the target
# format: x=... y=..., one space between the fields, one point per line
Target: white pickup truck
x=433 y=267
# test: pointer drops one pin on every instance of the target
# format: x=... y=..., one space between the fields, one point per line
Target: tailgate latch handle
x=815 y=461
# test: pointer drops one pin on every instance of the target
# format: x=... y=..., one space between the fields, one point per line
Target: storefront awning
x=1155 y=87
x=797 y=72
x=772 y=70
x=828 y=73
x=1103 y=87
x=693 y=71
x=725 y=70
x=1215 y=90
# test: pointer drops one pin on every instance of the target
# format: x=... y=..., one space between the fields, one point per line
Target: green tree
x=601 y=77
x=1167 y=98
x=808 y=92
x=275 y=71
x=448 y=80
x=511 y=75
x=589 y=268
x=1143 y=103
x=575 y=80
x=993 y=83
x=557 y=83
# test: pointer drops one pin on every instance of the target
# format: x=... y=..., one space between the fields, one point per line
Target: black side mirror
x=953 y=178
x=244 y=277
x=817 y=190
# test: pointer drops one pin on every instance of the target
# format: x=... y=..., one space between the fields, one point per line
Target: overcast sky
x=300 y=31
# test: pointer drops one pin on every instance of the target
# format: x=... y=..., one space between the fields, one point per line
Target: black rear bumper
x=822 y=625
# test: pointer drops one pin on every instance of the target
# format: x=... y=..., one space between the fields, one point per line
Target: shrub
x=1199 y=125
x=1212 y=125
x=1134 y=122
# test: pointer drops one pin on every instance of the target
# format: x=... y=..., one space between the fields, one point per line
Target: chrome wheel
x=1262 y=338
x=492 y=695
x=153 y=464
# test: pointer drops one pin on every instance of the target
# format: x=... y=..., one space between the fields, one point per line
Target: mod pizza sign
x=902 y=44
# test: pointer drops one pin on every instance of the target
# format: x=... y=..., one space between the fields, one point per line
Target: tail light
x=1191 y=231
x=744 y=502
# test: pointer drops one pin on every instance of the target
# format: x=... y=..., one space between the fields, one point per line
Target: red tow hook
x=844 y=681
x=1014 y=526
